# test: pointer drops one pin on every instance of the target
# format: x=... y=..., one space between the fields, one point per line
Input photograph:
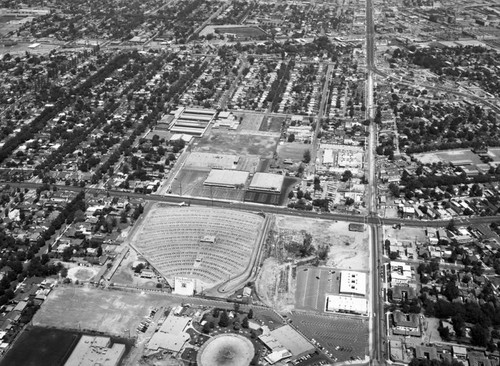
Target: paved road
x=376 y=316
x=255 y=207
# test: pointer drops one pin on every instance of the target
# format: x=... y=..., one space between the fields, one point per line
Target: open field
x=41 y=347
x=457 y=157
x=91 y=309
x=292 y=150
x=250 y=122
x=348 y=250
x=405 y=233
x=348 y=334
x=238 y=144
x=272 y=124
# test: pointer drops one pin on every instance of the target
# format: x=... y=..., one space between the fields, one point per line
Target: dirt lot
x=406 y=233
x=238 y=144
x=108 y=311
x=292 y=150
x=277 y=282
x=348 y=250
x=250 y=121
x=272 y=124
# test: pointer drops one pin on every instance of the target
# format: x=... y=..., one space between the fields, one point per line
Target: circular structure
x=226 y=350
x=82 y=274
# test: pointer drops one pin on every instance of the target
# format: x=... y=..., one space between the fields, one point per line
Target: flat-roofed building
x=293 y=341
x=171 y=335
x=353 y=283
x=226 y=178
x=266 y=182
x=184 y=286
x=91 y=351
x=192 y=121
x=346 y=304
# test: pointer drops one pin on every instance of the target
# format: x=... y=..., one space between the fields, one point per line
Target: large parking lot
x=312 y=285
x=346 y=338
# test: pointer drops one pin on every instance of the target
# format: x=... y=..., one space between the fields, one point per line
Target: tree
x=67 y=254
x=349 y=201
x=291 y=195
x=479 y=335
x=444 y=332
x=291 y=137
x=206 y=328
x=346 y=176
x=250 y=314
x=244 y=322
x=394 y=188
x=451 y=290
x=307 y=156
x=224 y=319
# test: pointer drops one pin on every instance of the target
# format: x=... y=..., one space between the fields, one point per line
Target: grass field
x=41 y=347
x=250 y=122
x=238 y=144
x=272 y=124
x=292 y=150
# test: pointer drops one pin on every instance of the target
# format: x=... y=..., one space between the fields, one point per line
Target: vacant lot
x=292 y=150
x=238 y=144
x=272 y=124
x=250 y=121
x=41 y=347
x=348 y=250
x=90 y=309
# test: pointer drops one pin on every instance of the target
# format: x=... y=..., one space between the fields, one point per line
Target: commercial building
x=192 y=121
x=353 y=283
x=284 y=340
x=226 y=178
x=171 y=335
x=266 y=182
x=346 y=304
x=184 y=286
x=91 y=351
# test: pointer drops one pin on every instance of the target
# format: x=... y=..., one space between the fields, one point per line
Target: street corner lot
x=249 y=121
x=313 y=283
x=272 y=124
x=90 y=309
x=292 y=150
x=238 y=144
x=348 y=249
x=406 y=233
x=344 y=337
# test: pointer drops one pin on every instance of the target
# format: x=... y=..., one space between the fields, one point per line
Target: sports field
x=238 y=144
x=457 y=157
x=344 y=337
x=41 y=347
